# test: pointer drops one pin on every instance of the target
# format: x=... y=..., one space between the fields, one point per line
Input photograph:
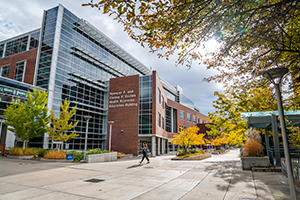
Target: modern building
x=73 y=60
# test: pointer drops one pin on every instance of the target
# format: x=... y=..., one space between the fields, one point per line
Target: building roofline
x=21 y=35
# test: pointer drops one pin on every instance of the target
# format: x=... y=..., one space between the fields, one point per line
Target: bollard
x=3 y=150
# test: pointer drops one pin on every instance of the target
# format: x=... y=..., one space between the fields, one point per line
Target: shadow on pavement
x=134 y=166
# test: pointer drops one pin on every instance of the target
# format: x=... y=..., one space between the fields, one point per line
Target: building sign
x=125 y=98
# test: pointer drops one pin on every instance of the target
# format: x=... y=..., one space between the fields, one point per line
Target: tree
x=254 y=35
x=188 y=137
x=59 y=127
x=26 y=119
x=227 y=117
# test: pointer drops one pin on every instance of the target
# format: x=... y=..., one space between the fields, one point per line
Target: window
x=162 y=101
x=188 y=116
x=182 y=114
x=163 y=123
x=4 y=71
x=159 y=119
x=198 y=120
x=159 y=95
x=194 y=119
x=19 y=72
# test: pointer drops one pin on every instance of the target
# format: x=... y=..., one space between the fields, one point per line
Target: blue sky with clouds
x=17 y=17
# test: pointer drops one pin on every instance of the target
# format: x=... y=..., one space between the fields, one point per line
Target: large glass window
x=194 y=119
x=19 y=71
x=188 y=116
x=16 y=46
x=158 y=95
x=4 y=71
x=145 y=109
x=182 y=114
x=1 y=50
x=159 y=119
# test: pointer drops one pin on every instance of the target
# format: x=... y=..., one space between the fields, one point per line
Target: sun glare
x=210 y=46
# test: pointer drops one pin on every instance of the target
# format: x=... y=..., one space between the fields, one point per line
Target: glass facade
x=20 y=44
x=16 y=46
x=11 y=89
x=145 y=109
x=184 y=100
x=76 y=62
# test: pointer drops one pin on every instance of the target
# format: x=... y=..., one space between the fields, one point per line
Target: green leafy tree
x=254 y=35
x=59 y=126
x=227 y=117
x=26 y=119
x=187 y=137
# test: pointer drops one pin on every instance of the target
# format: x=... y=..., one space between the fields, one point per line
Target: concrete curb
x=20 y=157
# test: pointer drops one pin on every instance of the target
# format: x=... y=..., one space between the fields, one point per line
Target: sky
x=17 y=17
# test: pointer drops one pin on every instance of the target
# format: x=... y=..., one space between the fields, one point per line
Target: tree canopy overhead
x=254 y=34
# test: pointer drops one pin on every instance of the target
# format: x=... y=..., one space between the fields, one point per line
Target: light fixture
x=110 y=127
x=275 y=76
x=87 y=118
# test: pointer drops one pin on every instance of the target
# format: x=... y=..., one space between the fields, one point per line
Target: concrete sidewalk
x=218 y=177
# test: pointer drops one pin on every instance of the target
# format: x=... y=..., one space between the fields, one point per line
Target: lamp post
x=87 y=118
x=110 y=127
x=275 y=76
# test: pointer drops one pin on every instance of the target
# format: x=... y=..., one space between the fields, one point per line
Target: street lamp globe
x=275 y=75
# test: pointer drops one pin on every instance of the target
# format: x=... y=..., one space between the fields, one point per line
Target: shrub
x=189 y=153
x=29 y=151
x=18 y=151
x=1 y=148
x=77 y=156
x=41 y=152
x=252 y=133
x=55 y=155
x=97 y=151
x=252 y=147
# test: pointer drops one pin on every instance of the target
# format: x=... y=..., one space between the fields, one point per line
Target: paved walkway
x=218 y=177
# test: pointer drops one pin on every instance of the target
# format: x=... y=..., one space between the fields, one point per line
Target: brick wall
x=184 y=122
x=124 y=111
x=29 y=56
x=158 y=106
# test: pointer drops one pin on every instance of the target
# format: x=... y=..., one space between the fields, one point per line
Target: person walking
x=145 y=152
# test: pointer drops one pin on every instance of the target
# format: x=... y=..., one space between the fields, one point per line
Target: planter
x=20 y=157
x=104 y=157
x=197 y=157
x=249 y=162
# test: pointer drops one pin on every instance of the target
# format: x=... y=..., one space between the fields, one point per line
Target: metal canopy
x=264 y=119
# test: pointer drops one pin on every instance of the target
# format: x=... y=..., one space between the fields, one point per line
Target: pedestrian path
x=218 y=177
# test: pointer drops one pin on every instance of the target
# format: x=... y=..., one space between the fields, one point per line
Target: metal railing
x=294 y=155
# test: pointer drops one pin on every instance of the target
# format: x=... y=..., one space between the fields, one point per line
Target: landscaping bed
x=191 y=155
x=219 y=151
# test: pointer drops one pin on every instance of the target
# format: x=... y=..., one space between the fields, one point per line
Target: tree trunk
x=58 y=149
x=24 y=144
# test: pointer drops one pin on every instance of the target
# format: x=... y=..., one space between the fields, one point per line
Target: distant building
x=73 y=60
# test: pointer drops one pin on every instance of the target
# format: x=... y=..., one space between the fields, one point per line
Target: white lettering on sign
x=122 y=99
